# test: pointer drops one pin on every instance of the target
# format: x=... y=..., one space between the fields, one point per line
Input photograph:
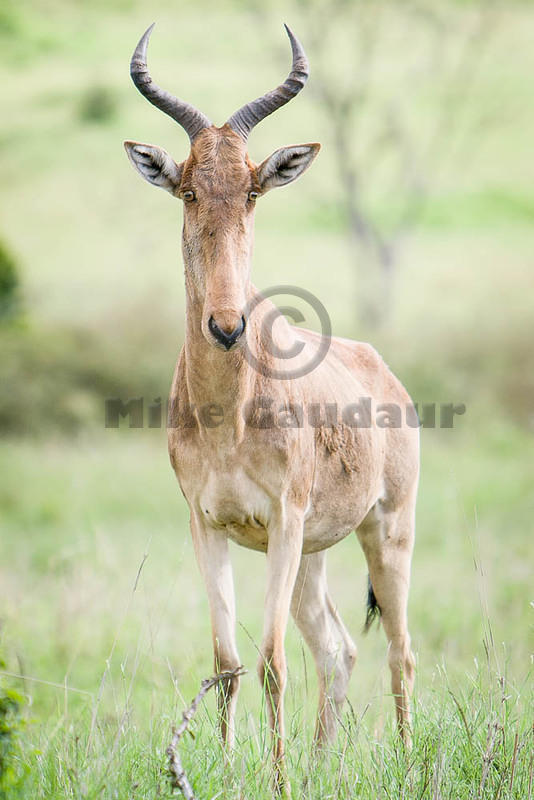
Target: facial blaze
x=218 y=229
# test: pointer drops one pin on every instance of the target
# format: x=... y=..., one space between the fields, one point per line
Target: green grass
x=471 y=745
x=110 y=657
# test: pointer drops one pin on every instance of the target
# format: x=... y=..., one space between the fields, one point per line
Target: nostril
x=214 y=328
x=224 y=338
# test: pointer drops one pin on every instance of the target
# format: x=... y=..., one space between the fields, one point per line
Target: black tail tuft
x=373 y=609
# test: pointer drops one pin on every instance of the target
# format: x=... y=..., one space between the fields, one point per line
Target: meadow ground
x=104 y=629
x=104 y=615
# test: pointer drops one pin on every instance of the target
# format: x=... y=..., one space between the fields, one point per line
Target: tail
x=373 y=609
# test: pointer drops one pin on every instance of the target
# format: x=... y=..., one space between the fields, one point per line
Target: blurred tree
x=9 y=285
x=98 y=104
x=388 y=152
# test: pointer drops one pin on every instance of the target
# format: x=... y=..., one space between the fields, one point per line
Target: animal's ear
x=155 y=165
x=286 y=164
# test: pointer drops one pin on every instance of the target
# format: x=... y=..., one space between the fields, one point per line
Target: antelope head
x=219 y=186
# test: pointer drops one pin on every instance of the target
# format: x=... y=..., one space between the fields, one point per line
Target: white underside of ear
x=286 y=164
x=155 y=165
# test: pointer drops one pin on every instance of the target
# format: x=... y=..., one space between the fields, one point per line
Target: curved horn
x=250 y=114
x=191 y=120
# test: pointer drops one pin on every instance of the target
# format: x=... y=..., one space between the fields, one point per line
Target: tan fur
x=290 y=492
x=340 y=439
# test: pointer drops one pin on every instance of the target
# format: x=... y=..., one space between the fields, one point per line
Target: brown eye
x=188 y=196
x=252 y=196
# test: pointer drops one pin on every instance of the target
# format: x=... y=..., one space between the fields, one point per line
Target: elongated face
x=219 y=186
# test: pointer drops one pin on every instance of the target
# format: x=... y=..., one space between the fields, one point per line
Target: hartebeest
x=251 y=470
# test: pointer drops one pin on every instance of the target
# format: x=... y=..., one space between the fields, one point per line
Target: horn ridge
x=191 y=120
x=249 y=115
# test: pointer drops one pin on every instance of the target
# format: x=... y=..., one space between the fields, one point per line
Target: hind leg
x=387 y=541
x=333 y=650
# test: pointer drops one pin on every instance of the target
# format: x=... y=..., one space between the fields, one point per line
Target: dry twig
x=179 y=779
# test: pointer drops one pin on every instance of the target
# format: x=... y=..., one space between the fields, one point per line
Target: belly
x=236 y=499
x=236 y=504
x=316 y=536
x=256 y=538
x=243 y=510
x=248 y=536
x=325 y=526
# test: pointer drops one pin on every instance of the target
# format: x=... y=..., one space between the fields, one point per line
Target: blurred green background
x=415 y=229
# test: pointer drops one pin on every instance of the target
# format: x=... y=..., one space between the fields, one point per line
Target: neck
x=217 y=381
